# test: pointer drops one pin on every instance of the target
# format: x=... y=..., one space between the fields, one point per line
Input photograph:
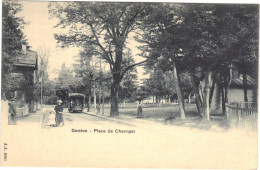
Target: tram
x=76 y=102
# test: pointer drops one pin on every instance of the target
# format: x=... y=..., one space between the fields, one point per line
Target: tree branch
x=98 y=43
x=129 y=67
x=131 y=20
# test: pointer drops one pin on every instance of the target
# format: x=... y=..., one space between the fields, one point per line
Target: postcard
x=147 y=85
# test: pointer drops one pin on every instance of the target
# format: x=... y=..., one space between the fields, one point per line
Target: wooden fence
x=242 y=114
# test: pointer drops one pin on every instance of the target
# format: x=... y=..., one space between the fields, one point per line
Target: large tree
x=247 y=45
x=12 y=39
x=203 y=39
x=162 y=42
x=214 y=36
x=106 y=26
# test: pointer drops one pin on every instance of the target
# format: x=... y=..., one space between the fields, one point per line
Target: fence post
x=238 y=115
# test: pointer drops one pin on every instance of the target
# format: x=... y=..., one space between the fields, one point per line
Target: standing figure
x=139 y=110
x=59 y=117
x=52 y=121
x=98 y=109
x=12 y=111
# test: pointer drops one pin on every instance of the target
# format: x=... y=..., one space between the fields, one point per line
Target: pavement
x=71 y=119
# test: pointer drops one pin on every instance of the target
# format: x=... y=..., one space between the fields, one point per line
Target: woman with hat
x=59 y=117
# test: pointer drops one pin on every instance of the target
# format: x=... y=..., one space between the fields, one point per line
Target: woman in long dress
x=59 y=117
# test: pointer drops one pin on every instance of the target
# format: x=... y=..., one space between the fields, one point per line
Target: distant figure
x=72 y=103
x=59 y=117
x=139 y=110
x=98 y=109
x=12 y=111
x=77 y=102
x=52 y=117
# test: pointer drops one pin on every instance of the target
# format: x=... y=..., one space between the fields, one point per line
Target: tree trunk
x=245 y=86
x=226 y=94
x=223 y=99
x=162 y=99
x=100 y=95
x=114 y=97
x=212 y=88
x=207 y=95
x=195 y=88
x=223 y=88
x=117 y=77
x=89 y=99
x=89 y=102
x=103 y=98
x=95 y=97
x=178 y=90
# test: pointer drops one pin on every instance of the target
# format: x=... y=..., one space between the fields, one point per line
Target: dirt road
x=89 y=141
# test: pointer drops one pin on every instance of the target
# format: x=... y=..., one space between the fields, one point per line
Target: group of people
x=56 y=116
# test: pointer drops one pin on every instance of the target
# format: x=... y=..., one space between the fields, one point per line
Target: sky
x=40 y=34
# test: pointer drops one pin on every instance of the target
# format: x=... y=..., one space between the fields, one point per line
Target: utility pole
x=40 y=80
x=100 y=83
x=103 y=96
x=94 y=89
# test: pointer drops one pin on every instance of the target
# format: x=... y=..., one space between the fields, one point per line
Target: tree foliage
x=12 y=39
x=103 y=25
x=203 y=39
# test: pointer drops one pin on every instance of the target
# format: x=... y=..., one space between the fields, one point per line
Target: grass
x=160 y=113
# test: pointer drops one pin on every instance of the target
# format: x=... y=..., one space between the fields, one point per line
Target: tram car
x=76 y=102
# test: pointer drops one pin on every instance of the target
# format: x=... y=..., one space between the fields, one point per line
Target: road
x=91 y=141
x=71 y=120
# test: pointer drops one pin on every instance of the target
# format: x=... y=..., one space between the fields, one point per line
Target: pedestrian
x=59 y=116
x=139 y=110
x=52 y=121
x=98 y=109
x=12 y=111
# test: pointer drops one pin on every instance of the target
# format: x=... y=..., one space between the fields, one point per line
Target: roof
x=238 y=82
x=27 y=60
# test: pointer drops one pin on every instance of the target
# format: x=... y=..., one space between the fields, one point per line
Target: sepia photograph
x=147 y=85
